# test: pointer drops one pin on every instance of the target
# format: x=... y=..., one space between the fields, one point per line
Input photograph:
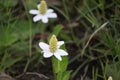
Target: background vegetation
x=20 y=55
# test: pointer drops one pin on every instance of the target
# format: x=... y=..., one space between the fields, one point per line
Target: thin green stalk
x=79 y=67
x=8 y=25
x=30 y=38
x=30 y=47
x=101 y=27
x=30 y=41
x=54 y=74
x=42 y=28
x=66 y=10
x=27 y=64
x=102 y=2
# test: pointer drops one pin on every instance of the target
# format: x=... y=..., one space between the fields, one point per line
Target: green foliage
x=7 y=38
x=87 y=12
x=9 y=3
x=63 y=75
x=60 y=68
x=56 y=30
x=18 y=36
x=94 y=73
x=113 y=70
x=7 y=62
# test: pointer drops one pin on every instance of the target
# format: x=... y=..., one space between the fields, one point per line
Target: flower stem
x=30 y=39
x=30 y=48
x=27 y=64
x=54 y=74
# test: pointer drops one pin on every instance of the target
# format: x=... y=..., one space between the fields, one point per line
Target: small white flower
x=43 y=13
x=53 y=49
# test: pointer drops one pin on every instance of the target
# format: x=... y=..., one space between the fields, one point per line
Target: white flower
x=53 y=49
x=43 y=13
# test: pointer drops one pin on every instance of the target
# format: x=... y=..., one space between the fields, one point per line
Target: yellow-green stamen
x=53 y=44
x=110 y=78
x=43 y=7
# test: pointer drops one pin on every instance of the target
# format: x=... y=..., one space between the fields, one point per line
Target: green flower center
x=43 y=7
x=53 y=44
x=110 y=78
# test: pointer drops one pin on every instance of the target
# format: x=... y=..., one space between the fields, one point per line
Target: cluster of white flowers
x=53 y=49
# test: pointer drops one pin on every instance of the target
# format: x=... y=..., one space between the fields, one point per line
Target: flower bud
x=43 y=7
x=53 y=44
x=110 y=78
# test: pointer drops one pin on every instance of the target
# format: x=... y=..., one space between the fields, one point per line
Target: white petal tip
x=34 y=12
x=38 y=6
x=55 y=15
x=40 y=43
x=45 y=20
x=34 y=20
x=37 y=18
x=47 y=54
x=44 y=46
x=60 y=59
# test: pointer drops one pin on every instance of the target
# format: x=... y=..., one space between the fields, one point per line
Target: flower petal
x=44 y=19
x=52 y=15
x=34 y=12
x=44 y=46
x=47 y=54
x=57 y=55
x=37 y=18
x=61 y=52
x=38 y=6
x=50 y=10
x=60 y=43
